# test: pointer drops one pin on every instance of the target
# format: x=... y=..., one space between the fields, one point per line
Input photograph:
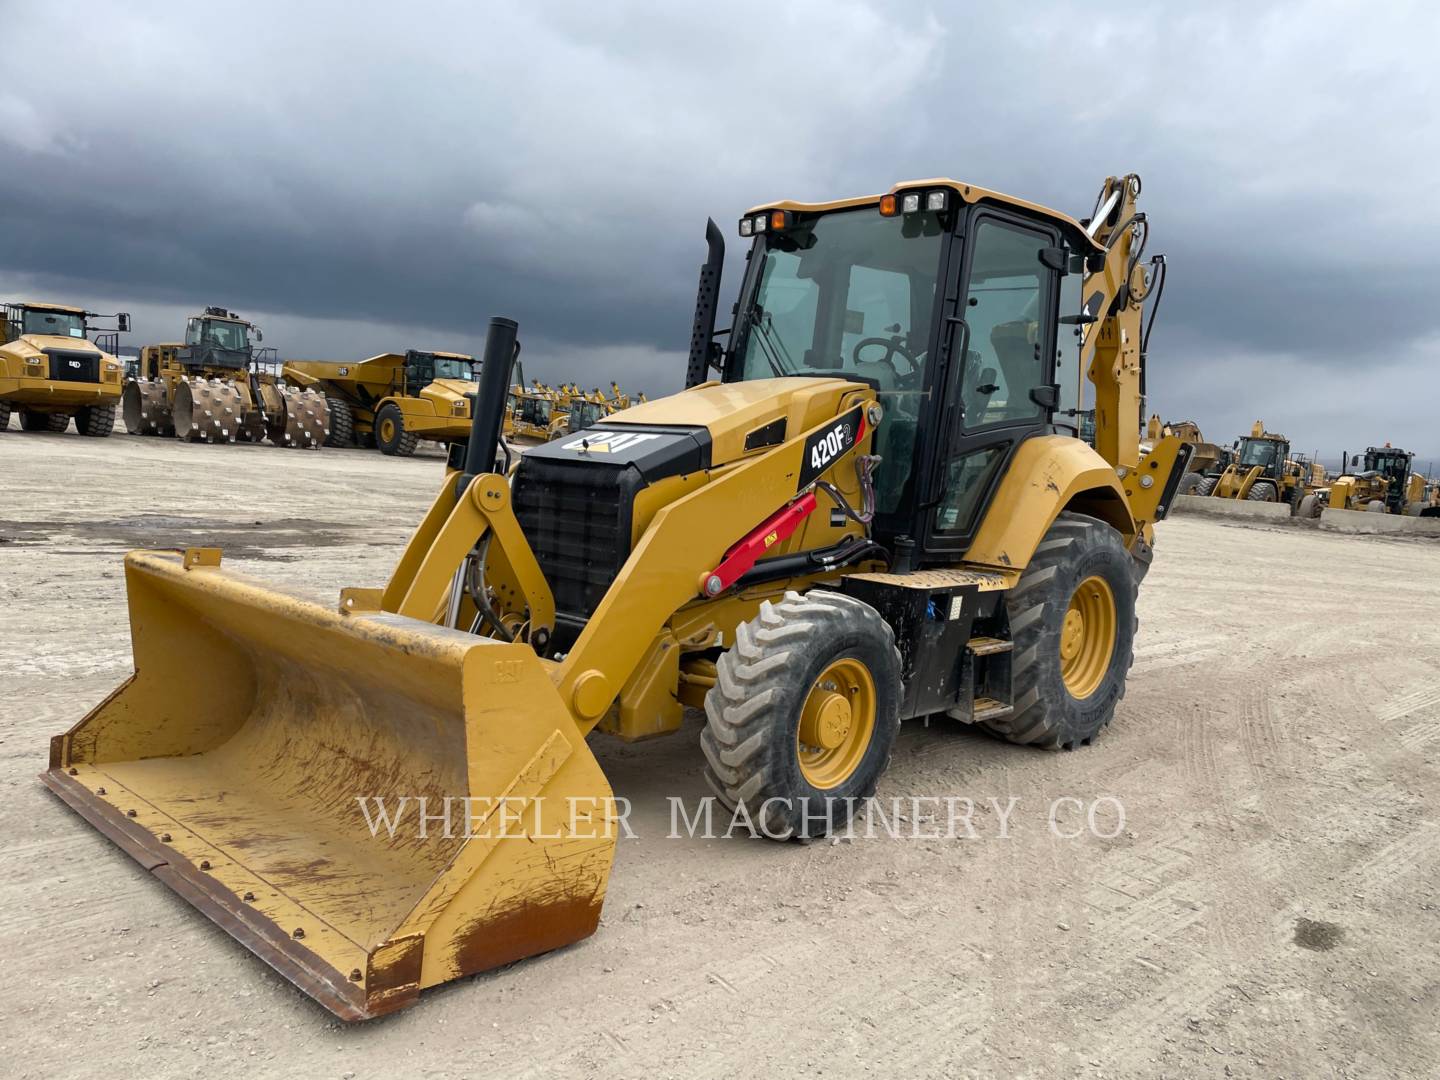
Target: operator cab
x=1269 y=454
x=423 y=368
x=583 y=414
x=44 y=320
x=949 y=309
x=218 y=339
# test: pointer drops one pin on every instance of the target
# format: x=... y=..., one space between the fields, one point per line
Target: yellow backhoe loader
x=51 y=371
x=213 y=387
x=859 y=512
x=394 y=400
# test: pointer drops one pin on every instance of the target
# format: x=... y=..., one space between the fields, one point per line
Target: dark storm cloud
x=367 y=179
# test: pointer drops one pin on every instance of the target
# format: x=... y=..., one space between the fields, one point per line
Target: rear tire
x=4 y=416
x=1206 y=485
x=96 y=421
x=38 y=421
x=1375 y=506
x=1262 y=491
x=390 y=434
x=803 y=714
x=1188 y=483
x=1069 y=670
x=342 y=423
x=1309 y=507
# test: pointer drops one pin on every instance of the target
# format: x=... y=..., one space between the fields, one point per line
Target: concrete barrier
x=1365 y=521
x=1229 y=508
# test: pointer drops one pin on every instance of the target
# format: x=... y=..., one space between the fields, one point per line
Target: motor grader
x=860 y=511
x=1261 y=470
x=213 y=387
x=394 y=400
x=52 y=372
x=1382 y=483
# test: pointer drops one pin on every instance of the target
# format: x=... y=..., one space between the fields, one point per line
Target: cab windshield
x=1257 y=452
x=849 y=293
x=226 y=336
x=59 y=323
x=452 y=368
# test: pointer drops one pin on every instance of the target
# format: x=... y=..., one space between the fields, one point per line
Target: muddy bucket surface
x=370 y=803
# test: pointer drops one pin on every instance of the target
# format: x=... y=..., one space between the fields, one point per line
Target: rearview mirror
x=122 y=322
x=259 y=334
x=1354 y=460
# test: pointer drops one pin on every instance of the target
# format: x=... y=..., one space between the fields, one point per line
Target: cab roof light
x=747 y=227
x=781 y=219
x=937 y=200
x=889 y=206
x=910 y=202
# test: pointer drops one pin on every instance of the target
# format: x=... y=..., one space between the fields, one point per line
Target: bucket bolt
x=249 y=896
x=165 y=837
x=99 y=791
x=355 y=975
x=299 y=932
x=129 y=813
x=204 y=864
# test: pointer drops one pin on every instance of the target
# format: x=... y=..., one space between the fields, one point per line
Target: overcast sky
x=362 y=178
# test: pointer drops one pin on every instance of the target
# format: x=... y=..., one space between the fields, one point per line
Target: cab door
x=1000 y=382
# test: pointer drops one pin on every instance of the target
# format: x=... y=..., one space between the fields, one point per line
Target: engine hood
x=449 y=391
x=734 y=420
x=29 y=344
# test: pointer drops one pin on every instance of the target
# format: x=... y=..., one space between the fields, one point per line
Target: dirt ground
x=1267 y=907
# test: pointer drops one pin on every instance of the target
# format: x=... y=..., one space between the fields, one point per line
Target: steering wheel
x=892 y=346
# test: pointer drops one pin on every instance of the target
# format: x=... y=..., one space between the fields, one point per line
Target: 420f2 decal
x=827 y=445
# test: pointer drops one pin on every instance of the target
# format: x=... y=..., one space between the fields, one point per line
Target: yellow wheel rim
x=387 y=429
x=837 y=722
x=1087 y=637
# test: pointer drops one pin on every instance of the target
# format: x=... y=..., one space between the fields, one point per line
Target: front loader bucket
x=246 y=762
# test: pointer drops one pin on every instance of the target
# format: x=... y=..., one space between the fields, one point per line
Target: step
x=985 y=646
x=989 y=709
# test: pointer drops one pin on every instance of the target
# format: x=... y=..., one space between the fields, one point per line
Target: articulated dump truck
x=394 y=400
x=865 y=508
x=56 y=366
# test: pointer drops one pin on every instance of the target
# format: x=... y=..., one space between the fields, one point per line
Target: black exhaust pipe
x=487 y=409
x=707 y=298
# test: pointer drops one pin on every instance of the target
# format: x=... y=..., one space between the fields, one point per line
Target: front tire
x=96 y=421
x=1262 y=491
x=1188 y=483
x=390 y=434
x=1206 y=485
x=1072 y=618
x=4 y=416
x=803 y=715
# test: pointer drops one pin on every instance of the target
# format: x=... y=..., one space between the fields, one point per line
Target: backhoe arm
x=1114 y=294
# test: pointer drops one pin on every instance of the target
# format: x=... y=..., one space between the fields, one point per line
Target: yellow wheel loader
x=1204 y=457
x=215 y=387
x=394 y=400
x=1382 y=483
x=859 y=512
x=51 y=371
x=1260 y=470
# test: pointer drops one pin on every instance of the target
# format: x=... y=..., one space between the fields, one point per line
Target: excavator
x=869 y=505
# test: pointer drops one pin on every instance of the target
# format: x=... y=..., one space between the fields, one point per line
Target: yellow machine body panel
x=437 y=410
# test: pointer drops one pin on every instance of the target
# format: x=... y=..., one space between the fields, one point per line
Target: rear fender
x=1049 y=474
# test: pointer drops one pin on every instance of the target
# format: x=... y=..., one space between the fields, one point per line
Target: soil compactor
x=51 y=371
x=859 y=512
x=394 y=400
x=214 y=388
